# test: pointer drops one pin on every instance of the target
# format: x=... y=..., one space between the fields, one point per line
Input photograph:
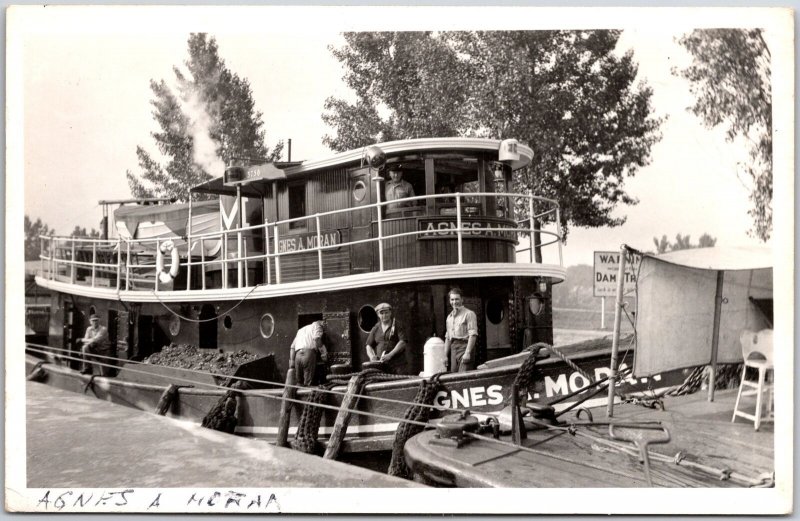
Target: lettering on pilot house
x=606 y=271
x=472 y=229
x=309 y=241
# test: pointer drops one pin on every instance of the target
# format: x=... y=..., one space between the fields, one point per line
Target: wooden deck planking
x=701 y=431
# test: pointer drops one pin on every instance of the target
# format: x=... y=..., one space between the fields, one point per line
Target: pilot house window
x=297 y=204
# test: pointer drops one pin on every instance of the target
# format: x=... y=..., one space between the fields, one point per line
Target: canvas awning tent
x=677 y=302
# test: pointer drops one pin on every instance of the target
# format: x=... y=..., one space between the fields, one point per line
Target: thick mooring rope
x=527 y=370
x=405 y=430
x=305 y=439
x=222 y=417
x=569 y=362
x=167 y=398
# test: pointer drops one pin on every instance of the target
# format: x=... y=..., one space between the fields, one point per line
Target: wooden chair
x=757 y=353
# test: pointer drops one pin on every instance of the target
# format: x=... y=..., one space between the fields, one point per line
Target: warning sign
x=606 y=270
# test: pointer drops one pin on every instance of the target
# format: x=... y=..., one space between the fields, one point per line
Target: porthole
x=174 y=325
x=227 y=322
x=495 y=310
x=367 y=318
x=267 y=325
x=359 y=191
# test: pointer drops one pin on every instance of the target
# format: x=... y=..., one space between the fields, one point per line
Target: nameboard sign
x=308 y=241
x=445 y=228
x=606 y=270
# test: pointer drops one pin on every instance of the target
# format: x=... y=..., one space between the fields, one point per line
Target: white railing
x=134 y=265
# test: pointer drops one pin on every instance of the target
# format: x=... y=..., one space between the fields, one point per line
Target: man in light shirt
x=462 y=334
x=95 y=342
x=397 y=188
x=306 y=348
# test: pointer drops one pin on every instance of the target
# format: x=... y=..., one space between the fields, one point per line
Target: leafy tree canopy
x=730 y=77
x=567 y=94
x=207 y=121
x=33 y=229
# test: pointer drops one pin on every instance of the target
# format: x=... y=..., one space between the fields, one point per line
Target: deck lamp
x=536 y=303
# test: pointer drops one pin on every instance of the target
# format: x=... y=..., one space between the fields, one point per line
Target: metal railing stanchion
x=73 y=268
x=119 y=261
x=266 y=254
x=277 y=257
x=128 y=267
x=319 y=247
x=460 y=231
x=530 y=224
x=94 y=262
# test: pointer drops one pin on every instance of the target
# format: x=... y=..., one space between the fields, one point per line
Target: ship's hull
x=378 y=412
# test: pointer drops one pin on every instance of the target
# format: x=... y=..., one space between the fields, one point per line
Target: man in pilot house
x=397 y=188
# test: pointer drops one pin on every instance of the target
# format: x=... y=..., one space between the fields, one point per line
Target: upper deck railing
x=131 y=264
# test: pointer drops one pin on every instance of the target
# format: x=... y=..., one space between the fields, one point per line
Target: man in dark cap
x=387 y=341
x=95 y=342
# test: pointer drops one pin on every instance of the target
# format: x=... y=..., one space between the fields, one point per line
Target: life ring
x=167 y=276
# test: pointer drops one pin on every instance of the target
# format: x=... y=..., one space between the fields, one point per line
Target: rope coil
x=417 y=414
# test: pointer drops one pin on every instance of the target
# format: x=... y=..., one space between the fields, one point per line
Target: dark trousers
x=305 y=363
x=97 y=369
x=457 y=350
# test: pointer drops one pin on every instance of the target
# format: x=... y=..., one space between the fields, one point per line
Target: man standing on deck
x=462 y=334
x=305 y=349
x=397 y=188
x=387 y=341
x=95 y=342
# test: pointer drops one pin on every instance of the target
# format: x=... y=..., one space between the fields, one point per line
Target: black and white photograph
x=334 y=259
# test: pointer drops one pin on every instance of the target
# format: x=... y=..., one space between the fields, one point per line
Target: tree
x=567 y=94
x=33 y=230
x=208 y=121
x=683 y=242
x=730 y=77
x=81 y=232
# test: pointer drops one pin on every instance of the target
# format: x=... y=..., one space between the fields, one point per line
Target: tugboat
x=285 y=244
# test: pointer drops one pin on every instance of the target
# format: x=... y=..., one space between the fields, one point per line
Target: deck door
x=362 y=193
x=337 y=337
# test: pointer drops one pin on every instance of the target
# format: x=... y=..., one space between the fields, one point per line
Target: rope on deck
x=37 y=374
x=222 y=416
x=305 y=439
x=167 y=398
x=569 y=362
x=417 y=413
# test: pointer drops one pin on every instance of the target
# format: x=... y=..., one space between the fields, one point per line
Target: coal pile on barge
x=186 y=364
x=186 y=356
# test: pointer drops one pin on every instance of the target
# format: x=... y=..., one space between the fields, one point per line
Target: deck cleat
x=452 y=428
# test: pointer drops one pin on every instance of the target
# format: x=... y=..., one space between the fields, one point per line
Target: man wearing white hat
x=95 y=342
x=387 y=341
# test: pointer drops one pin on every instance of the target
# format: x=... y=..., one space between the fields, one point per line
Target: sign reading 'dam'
x=606 y=270
x=308 y=241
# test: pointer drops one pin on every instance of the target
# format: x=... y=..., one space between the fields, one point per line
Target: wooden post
x=612 y=378
x=189 y=247
x=349 y=403
x=602 y=312
x=712 y=374
x=286 y=409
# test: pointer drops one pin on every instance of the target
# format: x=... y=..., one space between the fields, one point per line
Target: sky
x=86 y=106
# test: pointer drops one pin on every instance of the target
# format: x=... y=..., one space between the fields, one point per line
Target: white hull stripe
x=347 y=282
x=381 y=428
